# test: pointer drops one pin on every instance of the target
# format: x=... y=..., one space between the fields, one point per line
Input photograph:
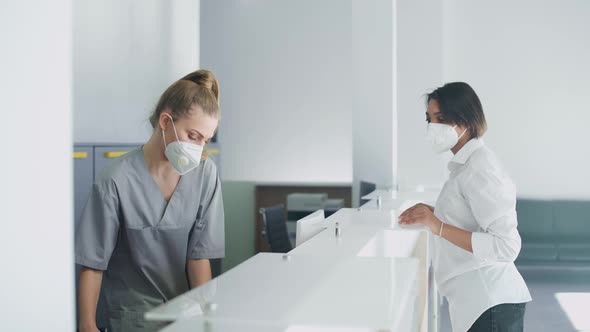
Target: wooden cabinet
x=271 y=194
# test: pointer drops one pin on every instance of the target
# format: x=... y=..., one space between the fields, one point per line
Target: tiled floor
x=545 y=313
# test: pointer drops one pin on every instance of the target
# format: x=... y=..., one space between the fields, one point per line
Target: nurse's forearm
x=90 y=281
x=457 y=236
x=199 y=272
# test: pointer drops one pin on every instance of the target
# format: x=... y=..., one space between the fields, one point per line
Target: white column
x=286 y=83
x=36 y=240
x=419 y=71
x=126 y=53
x=184 y=37
x=374 y=108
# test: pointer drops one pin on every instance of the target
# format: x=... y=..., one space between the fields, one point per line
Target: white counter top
x=355 y=240
x=376 y=293
x=373 y=277
x=402 y=201
x=428 y=196
x=373 y=218
x=385 y=193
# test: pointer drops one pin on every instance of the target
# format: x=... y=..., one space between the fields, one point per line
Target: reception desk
x=373 y=276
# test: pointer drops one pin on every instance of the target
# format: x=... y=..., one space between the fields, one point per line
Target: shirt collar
x=466 y=151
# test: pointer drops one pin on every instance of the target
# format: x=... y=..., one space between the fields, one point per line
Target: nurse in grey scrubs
x=155 y=216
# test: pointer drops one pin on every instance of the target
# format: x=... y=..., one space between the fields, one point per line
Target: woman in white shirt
x=474 y=219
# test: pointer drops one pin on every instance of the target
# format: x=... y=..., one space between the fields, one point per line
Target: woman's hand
x=89 y=328
x=421 y=214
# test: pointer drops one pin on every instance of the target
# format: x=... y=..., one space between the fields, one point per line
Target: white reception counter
x=373 y=277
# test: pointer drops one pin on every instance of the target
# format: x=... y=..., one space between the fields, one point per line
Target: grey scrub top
x=143 y=242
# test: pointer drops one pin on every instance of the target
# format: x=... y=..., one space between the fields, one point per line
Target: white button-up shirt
x=478 y=197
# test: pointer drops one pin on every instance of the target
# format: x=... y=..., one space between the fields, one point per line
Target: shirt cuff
x=83 y=261
x=483 y=245
x=211 y=254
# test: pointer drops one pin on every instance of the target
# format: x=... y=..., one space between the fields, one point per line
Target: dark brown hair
x=459 y=104
x=199 y=87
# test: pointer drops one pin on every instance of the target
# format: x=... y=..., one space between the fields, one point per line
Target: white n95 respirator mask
x=183 y=156
x=442 y=137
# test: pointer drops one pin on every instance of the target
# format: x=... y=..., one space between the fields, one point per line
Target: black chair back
x=365 y=188
x=275 y=225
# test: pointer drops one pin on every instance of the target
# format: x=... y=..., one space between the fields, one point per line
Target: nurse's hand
x=421 y=214
x=91 y=328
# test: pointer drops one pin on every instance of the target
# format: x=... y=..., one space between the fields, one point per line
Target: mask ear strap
x=173 y=127
x=464 y=131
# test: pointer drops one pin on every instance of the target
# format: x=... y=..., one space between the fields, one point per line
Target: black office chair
x=366 y=188
x=275 y=228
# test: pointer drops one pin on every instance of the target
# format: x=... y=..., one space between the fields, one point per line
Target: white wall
x=419 y=69
x=529 y=62
x=374 y=114
x=286 y=84
x=397 y=47
x=36 y=241
x=126 y=53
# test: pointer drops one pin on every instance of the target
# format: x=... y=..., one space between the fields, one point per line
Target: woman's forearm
x=457 y=236
x=90 y=282
x=199 y=272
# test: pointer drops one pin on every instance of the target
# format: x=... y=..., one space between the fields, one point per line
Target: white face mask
x=442 y=137
x=183 y=156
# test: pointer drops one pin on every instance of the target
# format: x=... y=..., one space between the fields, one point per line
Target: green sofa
x=554 y=230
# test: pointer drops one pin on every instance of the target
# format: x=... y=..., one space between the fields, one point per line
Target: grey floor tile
x=545 y=313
